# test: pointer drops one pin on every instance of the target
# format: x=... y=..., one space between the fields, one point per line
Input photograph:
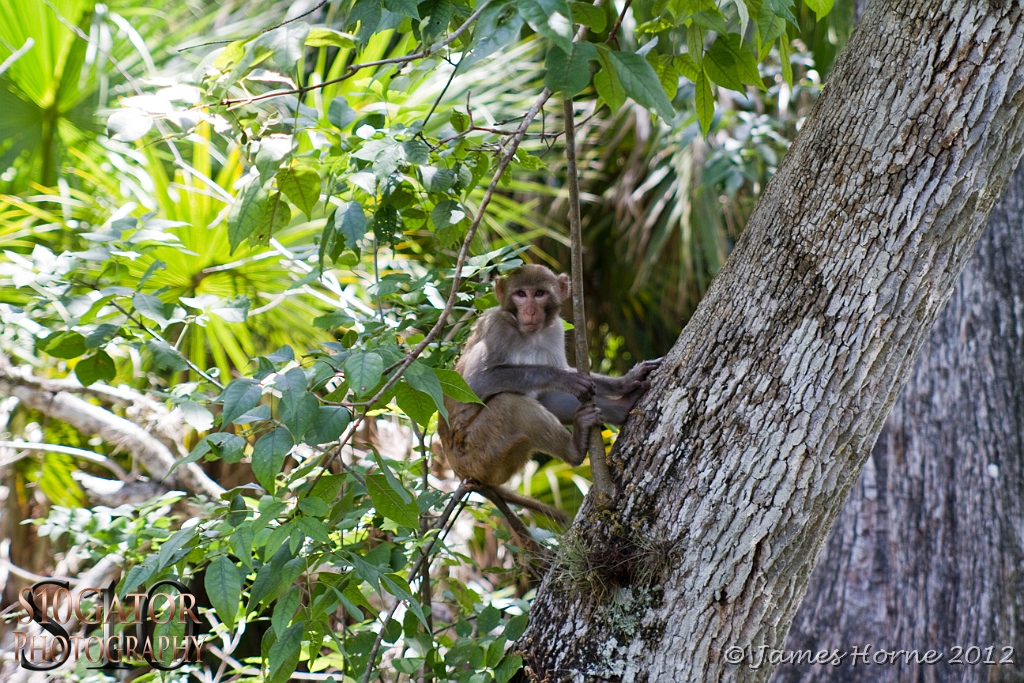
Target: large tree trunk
x=744 y=451
x=928 y=552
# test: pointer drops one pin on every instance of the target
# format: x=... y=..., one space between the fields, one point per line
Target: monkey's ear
x=563 y=286
x=499 y=289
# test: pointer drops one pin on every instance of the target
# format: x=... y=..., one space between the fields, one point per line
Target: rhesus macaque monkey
x=515 y=362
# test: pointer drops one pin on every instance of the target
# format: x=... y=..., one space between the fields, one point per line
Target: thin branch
x=442 y=521
x=266 y=30
x=352 y=69
x=618 y=22
x=92 y=457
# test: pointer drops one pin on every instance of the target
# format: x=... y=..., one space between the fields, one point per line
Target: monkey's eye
x=521 y=293
x=541 y=293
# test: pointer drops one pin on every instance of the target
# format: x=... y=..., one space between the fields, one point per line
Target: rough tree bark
x=928 y=552
x=758 y=423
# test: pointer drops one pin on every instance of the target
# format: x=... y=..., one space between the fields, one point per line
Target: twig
x=442 y=521
x=352 y=69
x=603 y=489
x=66 y=450
x=266 y=30
x=618 y=22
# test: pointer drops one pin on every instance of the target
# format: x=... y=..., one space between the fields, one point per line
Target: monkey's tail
x=531 y=504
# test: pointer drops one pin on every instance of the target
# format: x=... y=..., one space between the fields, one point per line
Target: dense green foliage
x=286 y=237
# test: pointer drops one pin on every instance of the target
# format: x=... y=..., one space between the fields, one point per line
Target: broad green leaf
x=63 y=345
x=330 y=422
x=769 y=27
x=277 y=216
x=668 y=74
x=416 y=151
x=99 y=367
x=350 y=224
x=246 y=213
x=705 y=101
x=172 y=546
x=197 y=416
x=273 y=150
x=437 y=180
x=499 y=24
x=729 y=50
x=588 y=15
x=422 y=378
x=551 y=19
x=452 y=384
x=570 y=73
x=507 y=668
x=239 y=396
x=286 y=43
x=686 y=66
x=695 y=45
x=406 y=8
x=446 y=213
x=151 y=307
x=710 y=19
x=328 y=37
x=608 y=85
x=241 y=544
x=389 y=503
x=340 y=114
x=459 y=121
x=268 y=456
x=298 y=411
x=399 y=587
x=101 y=335
x=720 y=66
x=224 y=587
x=284 y=654
x=314 y=506
x=302 y=186
x=515 y=627
x=417 y=405
x=363 y=371
x=284 y=610
x=435 y=14
x=641 y=82
x=166 y=356
x=269 y=576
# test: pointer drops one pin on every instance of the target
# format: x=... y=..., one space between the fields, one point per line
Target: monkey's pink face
x=530 y=303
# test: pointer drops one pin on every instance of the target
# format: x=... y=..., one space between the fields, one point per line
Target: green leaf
x=422 y=378
x=197 y=416
x=459 y=121
x=399 y=587
x=508 y=667
x=101 y=335
x=63 y=345
x=284 y=654
x=277 y=216
x=224 y=587
x=769 y=27
x=350 y=224
x=241 y=544
x=386 y=224
x=446 y=213
x=390 y=504
x=151 y=307
x=720 y=65
x=268 y=456
x=606 y=82
x=551 y=19
x=712 y=20
x=499 y=24
x=240 y=396
x=705 y=101
x=640 y=82
x=314 y=506
x=515 y=627
x=729 y=49
x=298 y=411
x=687 y=67
x=404 y=7
x=302 y=186
x=340 y=114
x=416 y=151
x=695 y=45
x=417 y=405
x=787 y=68
x=99 y=367
x=328 y=37
x=569 y=74
x=166 y=356
x=363 y=371
x=452 y=384
x=436 y=14
x=273 y=149
x=284 y=610
x=588 y=15
x=437 y=180
x=246 y=213
x=330 y=422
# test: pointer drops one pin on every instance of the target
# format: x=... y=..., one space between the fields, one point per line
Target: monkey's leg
x=514 y=523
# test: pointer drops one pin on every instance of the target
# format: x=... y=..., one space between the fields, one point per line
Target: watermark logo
x=52 y=606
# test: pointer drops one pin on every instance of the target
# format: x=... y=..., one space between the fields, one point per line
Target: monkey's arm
x=525 y=379
x=634 y=382
x=613 y=410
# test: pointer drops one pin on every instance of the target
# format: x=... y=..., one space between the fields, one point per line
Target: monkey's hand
x=578 y=384
x=636 y=380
